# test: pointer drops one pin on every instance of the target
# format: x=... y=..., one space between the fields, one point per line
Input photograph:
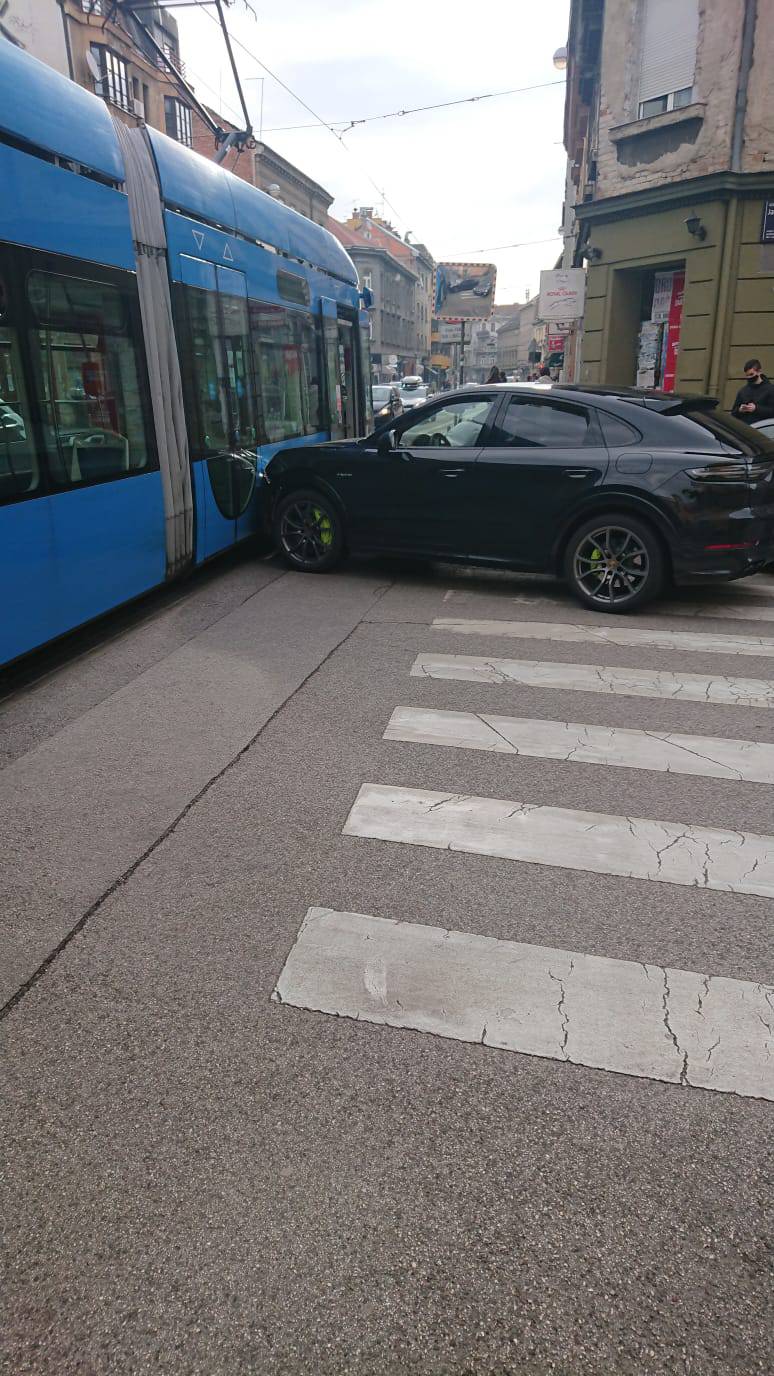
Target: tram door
x=222 y=421
x=340 y=342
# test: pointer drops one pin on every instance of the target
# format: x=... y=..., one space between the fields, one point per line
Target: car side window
x=457 y=425
x=530 y=423
x=617 y=432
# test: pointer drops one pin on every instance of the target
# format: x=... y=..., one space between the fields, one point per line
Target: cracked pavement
x=199 y=1179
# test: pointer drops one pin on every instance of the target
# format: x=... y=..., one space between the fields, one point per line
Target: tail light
x=720 y=473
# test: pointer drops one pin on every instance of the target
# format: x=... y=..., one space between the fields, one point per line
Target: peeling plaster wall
x=684 y=149
x=758 y=151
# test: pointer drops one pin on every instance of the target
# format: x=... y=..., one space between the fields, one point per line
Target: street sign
x=450 y=332
x=464 y=291
x=562 y=294
x=767 y=224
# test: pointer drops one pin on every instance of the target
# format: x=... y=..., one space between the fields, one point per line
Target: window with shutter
x=669 y=39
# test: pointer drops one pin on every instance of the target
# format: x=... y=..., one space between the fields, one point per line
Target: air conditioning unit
x=139 y=109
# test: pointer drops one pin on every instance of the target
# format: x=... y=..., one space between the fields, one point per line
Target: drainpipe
x=742 y=83
x=68 y=49
x=726 y=278
x=726 y=288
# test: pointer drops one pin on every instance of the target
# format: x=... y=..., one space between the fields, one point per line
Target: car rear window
x=715 y=430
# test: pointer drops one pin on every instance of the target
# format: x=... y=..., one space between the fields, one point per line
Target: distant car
x=413 y=392
x=386 y=402
x=621 y=491
x=765 y=426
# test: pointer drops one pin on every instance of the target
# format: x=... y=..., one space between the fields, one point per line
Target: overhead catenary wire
x=347 y=124
x=500 y=248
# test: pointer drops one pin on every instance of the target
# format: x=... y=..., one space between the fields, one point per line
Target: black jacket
x=762 y=395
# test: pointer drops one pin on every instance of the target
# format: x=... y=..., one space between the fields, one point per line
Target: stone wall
x=684 y=143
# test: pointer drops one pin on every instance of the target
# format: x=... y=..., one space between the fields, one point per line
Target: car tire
x=632 y=564
x=309 y=531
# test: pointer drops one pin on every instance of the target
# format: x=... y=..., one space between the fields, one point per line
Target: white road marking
x=692 y=1030
x=668 y=752
x=597 y=678
x=635 y=847
x=716 y=611
x=707 y=642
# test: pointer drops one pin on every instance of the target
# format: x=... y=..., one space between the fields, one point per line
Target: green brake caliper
x=595 y=557
x=324 y=525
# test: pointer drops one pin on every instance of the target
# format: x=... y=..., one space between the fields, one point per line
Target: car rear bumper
x=719 y=565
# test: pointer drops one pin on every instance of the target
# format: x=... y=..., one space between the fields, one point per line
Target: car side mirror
x=386 y=441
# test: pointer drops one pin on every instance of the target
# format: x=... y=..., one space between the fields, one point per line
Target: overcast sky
x=462 y=179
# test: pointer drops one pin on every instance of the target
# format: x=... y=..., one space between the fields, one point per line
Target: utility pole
x=462 y=352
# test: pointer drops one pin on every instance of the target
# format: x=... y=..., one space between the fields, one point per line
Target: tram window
x=287 y=362
x=94 y=417
x=19 y=468
x=215 y=353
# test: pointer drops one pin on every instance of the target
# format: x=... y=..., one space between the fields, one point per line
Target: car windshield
x=380 y=395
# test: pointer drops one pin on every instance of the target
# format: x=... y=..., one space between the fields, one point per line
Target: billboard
x=464 y=291
x=562 y=294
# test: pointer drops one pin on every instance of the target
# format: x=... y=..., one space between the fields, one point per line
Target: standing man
x=754 y=401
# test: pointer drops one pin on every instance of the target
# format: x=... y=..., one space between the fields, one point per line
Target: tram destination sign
x=464 y=291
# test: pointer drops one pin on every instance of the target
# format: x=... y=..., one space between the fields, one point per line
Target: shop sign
x=556 y=343
x=562 y=294
x=767 y=224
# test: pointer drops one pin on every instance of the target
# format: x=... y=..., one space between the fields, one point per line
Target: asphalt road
x=198 y=1179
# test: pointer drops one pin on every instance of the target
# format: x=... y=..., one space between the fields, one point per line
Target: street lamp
x=560 y=59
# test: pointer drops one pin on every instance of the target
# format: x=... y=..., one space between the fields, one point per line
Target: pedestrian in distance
x=496 y=375
x=544 y=375
x=755 y=400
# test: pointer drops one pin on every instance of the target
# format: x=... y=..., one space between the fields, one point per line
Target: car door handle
x=579 y=472
x=452 y=472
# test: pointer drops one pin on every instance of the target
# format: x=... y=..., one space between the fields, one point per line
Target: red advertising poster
x=674 y=321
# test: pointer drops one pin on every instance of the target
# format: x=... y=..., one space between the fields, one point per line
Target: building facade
x=520 y=338
x=669 y=130
x=399 y=275
x=36 y=26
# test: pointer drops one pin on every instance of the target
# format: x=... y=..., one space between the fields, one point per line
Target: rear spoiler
x=680 y=406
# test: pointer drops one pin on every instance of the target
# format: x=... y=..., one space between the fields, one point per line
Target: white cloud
x=463 y=178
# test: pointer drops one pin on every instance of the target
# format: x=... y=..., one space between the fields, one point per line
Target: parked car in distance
x=413 y=392
x=620 y=491
x=386 y=402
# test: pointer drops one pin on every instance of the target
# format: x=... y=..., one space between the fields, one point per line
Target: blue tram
x=164 y=328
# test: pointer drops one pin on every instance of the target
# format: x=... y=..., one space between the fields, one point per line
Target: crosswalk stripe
x=706 y=642
x=717 y=612
x=665 y=751
x=597 y=678
x=754 y=607
x=692 y=1030
x=634 y=847
x=760 y=610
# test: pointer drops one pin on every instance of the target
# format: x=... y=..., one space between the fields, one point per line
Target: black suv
x=619 y=490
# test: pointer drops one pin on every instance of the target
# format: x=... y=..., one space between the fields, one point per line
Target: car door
x=416 y=494
x=543 y=460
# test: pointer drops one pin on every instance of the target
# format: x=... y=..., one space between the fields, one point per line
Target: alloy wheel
x=611 y=565
x=306 y=531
